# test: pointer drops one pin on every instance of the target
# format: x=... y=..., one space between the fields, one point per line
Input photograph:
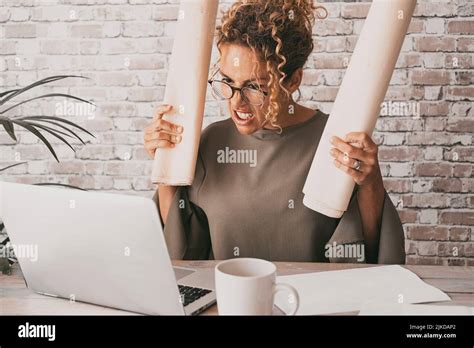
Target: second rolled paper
x=328 y=189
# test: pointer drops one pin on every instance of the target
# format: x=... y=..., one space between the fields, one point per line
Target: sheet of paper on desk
x=347 y=290
x=383 y=308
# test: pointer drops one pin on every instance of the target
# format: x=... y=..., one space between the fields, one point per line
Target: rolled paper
x=327 y=188
x=186 y=90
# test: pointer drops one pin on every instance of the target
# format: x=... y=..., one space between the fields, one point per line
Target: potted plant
x=39 y=126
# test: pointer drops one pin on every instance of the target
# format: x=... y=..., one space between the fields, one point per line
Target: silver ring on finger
x=357 y=165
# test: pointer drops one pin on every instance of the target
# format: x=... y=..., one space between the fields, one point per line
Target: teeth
x=244 y=115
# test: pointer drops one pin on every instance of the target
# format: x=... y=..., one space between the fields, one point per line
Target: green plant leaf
x=63 y=185
x=47 y=127
x=51 y=131
x=8 y=126
x=36 y=128
x=35 y=84
x=39 y=135
x=5 y=266
x=47 y=96
x=57 y=124
x=56 y=119
x=8 y=92
x=8 y=167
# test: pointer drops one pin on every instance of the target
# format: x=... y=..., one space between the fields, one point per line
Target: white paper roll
x=328 y=189
x=186 y=90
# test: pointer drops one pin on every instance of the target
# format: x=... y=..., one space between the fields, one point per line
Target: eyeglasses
x=222 y=90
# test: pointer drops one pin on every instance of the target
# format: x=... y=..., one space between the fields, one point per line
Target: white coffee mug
x=246 y=286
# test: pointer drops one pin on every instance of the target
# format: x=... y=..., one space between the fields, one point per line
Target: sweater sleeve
x=348 y=236
x=187 y=230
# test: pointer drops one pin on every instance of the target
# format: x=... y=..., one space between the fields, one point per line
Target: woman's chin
x=246 y=130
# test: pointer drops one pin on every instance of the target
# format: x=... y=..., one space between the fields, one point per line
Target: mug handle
x=285 y=287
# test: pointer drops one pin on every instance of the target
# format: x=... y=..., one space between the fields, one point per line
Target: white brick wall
x=123 y=46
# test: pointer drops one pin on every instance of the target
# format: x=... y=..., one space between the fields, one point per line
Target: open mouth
x=243 y=118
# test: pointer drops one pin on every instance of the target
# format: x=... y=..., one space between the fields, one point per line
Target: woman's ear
x=294 y=81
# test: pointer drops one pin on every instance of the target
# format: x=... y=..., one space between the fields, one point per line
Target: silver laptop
x=99 y=248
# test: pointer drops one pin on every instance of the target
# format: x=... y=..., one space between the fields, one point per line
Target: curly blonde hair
x=279 y=32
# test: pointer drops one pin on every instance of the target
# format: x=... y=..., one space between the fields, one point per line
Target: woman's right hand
x=161 y=133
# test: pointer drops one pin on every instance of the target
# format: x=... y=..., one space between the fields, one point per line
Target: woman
x=251 y=205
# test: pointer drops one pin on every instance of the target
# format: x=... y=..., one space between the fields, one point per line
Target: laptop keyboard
x=190 y=294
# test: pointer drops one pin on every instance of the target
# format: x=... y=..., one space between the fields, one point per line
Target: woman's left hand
x=357 y=155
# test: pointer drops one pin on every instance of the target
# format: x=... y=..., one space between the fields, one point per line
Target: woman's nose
x=237 y=100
